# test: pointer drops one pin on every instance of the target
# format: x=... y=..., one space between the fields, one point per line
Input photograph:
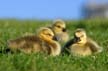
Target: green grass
x=97 y=29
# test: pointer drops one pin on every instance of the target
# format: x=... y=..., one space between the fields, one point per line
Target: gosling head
x=46 y=34
x=80 y=36
x=59 y=26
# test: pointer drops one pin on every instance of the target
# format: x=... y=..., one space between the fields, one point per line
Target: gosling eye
x=58 y=26
x=49 y=34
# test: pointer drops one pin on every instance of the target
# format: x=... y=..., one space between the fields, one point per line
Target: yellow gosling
x=60 y=31
x=42 y=42
x=82 y=45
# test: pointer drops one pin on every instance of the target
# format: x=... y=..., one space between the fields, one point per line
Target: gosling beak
x=77 y=39
x=64 y=30
x=55 y=38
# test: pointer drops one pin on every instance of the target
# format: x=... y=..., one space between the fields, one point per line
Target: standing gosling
x=60 y=31
x=42 y=42
x=82 y=45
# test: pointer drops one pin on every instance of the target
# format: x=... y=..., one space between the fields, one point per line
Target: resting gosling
x=60 y=31
x=82 y=45
x=42 y=42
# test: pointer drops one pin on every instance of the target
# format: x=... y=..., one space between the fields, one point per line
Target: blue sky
x=41 y=9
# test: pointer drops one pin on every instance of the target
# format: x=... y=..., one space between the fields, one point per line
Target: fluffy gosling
x=42 y=42
x=60 y=31
x=82 y=45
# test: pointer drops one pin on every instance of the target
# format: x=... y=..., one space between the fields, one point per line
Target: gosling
x=42 y=42
x=81 y=45
x=60 y=31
